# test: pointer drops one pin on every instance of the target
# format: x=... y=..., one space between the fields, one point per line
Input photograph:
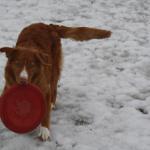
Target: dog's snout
x=24 y=74
x=23 y=77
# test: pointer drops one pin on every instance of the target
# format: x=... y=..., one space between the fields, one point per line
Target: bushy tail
x=80 y=33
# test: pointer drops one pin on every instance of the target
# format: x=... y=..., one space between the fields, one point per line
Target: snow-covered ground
x=104 y=94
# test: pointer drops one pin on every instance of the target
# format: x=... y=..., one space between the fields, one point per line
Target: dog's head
x=23 y=65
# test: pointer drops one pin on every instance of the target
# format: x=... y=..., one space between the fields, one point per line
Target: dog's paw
x=44 y=133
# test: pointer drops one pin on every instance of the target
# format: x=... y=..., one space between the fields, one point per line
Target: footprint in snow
x=82 y=119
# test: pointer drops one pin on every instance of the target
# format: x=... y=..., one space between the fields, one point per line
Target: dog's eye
x=32 y=64
x=17 y=63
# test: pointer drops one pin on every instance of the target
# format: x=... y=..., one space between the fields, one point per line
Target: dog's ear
x=7 y=50
x=43 y=58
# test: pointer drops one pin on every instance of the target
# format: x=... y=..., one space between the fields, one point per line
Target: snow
x=104 y=93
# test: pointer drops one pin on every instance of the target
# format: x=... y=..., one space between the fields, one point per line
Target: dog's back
x=37 y=36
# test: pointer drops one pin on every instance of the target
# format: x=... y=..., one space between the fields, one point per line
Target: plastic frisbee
x=22 y=108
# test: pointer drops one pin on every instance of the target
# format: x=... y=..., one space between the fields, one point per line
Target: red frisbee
x=22 y=108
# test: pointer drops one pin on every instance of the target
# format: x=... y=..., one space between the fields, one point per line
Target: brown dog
x=37 y=59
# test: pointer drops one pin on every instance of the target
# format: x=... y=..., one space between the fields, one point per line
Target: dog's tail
x=80 y=33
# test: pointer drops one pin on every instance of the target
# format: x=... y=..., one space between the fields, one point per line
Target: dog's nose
x=23 y=81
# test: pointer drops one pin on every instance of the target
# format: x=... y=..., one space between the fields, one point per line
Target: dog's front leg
x=44 y=133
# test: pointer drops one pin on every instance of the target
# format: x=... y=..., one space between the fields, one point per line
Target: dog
x=37 y=59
